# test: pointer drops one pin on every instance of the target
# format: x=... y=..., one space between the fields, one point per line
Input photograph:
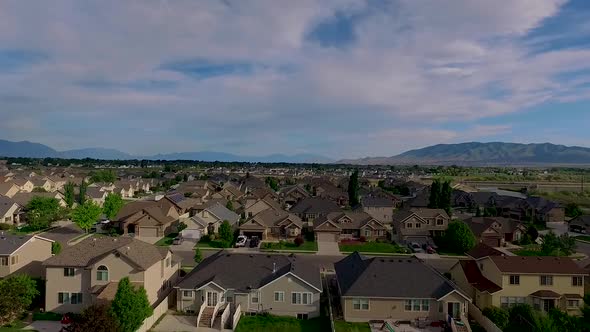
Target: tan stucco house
x=397 y=289
x=420 y=223
x=89 y=272
x=10 y=211
x=272 y=224
x=348 y=225
x=23 y=254
x=233 y=284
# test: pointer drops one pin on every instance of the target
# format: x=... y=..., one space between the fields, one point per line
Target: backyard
x=342 y=326
x=269 y=323
x=290 y=246
x=378 y=247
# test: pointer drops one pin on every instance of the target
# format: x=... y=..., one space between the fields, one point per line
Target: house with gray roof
x=23 y=254
x=250 y=283
x=348 y=225
x=580 y=224
x=380 y=208
x=308 y=209
x=396 y=289
x=10 y=211
x=208 y=220
x=89 y=272
x=272 y=223
x=420 y=224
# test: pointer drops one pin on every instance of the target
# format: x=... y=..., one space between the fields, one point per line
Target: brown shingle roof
x=518 y=264
x=476 y=279
x=483 y=250
x=545 y=293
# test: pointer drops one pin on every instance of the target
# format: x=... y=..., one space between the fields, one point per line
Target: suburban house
x=337 y=226
x=10 y=211
x=208 y=221
x=24 y=185
x=23 y=254
x=420 y=224
x=147 y=218
x=89 y=272
x=309 y=209
x=580 y=224
x=379 y=208
x=255 y=206
x=96 y=195
x=8 y=189
x=228 y=192
x=24 y=198
x=292 y=194
x=272 y=224
x=398 y=289
x=255 y=283
x=496 y=231
x=44 y=183
x=504 y=281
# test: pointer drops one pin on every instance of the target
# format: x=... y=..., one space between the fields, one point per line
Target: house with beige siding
x=420 y=223
x=226 y=284
x=503 y=281
x=148 y=218
x=272 y=224
x=24 y=185
x=348 y=225
x=8 y=189
x=397 y=288
x=23 y=254
x=89 y=272
x=10 y=211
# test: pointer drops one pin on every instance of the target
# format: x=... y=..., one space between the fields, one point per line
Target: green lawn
x=342 y=326
x=378 y=247
x=290 y=246
x=166 y=241
x=583 y=237
x=269 y=323
x=532 y=250
x=14 y=326
x=47 y=316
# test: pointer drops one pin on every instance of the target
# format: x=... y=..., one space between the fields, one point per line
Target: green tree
x=130 y=307
x=86 y=215
x=181 y=227
x=225 y=233
x=353 y=188
x=69 y=195
x=103 y=175
x=198 y=256
x=498 y=316
x=229 y=205
x=55 y=248
x=477 y=211
x=435 y=192
x=459 y=238
x=112 y=205
x=446 y=193
x=185 y=177
x=563 y=245
x=272 y=183
x=572 y=210
x=17 y=293
x=82 y=192
x=96 y=318
x=42 y=212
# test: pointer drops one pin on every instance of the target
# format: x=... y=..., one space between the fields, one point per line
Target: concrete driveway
x=44 y=325
x=326 y=248
x=63 y=234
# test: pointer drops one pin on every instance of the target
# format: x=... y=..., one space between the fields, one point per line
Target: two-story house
x=420 y=224
x=504 y=281
x=496 y=231
x=208 y=220
x=292 y=194
x=311 y=208
x=10 y=211
x=380 y=208
x=337 y=226
x=89 y=272
x=272 y=224
x=23 y=254
x=254 y=283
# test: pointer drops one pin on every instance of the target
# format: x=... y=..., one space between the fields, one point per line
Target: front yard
x=269 y=323
x=290 y=246
x=342 y=326
x=376 y=247
x=166 y=241
x=585 y=238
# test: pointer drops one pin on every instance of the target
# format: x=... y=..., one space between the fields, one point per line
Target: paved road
x=63 y=234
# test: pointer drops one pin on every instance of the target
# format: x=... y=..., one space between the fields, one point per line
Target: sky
x=338 y=78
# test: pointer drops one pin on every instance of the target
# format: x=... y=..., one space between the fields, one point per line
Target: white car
x=241 y=241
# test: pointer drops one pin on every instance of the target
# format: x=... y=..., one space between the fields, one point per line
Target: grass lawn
x=166 y=241
x=47 y=316
x=268 y=323
x=381 y=247
x=342 y=326
x=532 y=250
x=289 y=245
x=14 y=326
x=583 y=238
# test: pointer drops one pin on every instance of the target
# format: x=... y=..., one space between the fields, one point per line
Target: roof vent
x=274 y=267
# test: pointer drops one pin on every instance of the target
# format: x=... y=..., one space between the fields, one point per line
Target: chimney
x=274 y=268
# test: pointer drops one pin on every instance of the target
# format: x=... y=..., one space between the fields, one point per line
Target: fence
x=236 y=317
x=225 y=316
x=482 y=320
x=159 y=310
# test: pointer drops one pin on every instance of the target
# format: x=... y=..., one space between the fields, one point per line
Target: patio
x=404 y=328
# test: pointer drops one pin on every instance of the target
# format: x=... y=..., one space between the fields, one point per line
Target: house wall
x=56 y=282
x=459 y=278
x=383 y=214
x=9 y=217
x=159 y=278
x=289 y=284
x=31 y=257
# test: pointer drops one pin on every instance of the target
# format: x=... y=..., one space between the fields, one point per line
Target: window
x=301 y=298
x=69 y=298
x=254 y=297
x=279 y=296
x=515 y=280
x=573 y=303
x=69 y=271
x=360 y=304
x=4 y=261
x=13 y=259
x=249 y=214
x=507 y=302
x=367 y=232
x=417 y=305
x=408 y=305
x=76 y=298
x=409 y=225
x=63 y=298
x=425 y=305
x=546 y=280
x=302 y=316
x=418 y=225
x=577 y=281
x=187 y=294
x=440 y=222
x=102 y=273
x=536 y=303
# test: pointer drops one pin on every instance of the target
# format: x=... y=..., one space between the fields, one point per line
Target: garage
x=148 y=231
x=491 y=241
x=191 y=234
x=327 y=237
x=251 y=234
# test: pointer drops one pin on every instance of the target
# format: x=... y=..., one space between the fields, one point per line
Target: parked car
x=415 y=247
x=254 y=242
x=241 y=241
x=177 y=240
x=428 y=248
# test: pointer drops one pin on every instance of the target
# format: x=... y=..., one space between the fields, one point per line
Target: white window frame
x=417 y=305
x=79 y=298
x=101 y=273
x=281 y=296
x=362 y=303
x=255 y=295
x=516 y=279
x=68 y=275
x=63 y=300
x=299 y=298
x=188 y=291
x=546 y=280
x=576 y=305
x=575 y=280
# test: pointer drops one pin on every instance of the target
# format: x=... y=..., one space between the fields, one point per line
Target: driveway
x=174 y=323
x=44 y=326
x=63 y=234
x=326 y=248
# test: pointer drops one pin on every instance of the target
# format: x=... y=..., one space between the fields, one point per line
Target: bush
x=55 y=248
x=205 y=238
x=498 y=316
x=4 y=226
x=363 y=239
x=299 y=241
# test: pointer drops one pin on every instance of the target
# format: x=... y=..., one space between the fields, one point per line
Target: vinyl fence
x=159 y=310
x=482 y=320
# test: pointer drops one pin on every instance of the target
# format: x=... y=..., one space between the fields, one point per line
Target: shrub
x=205 y=238
x=299 y=241
x=55 y=248
x=363 y=239
x=497 y=315
x=4 y=227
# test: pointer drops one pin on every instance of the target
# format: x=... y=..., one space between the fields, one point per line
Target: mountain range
x=482 y=154
x=37 y=150
x=467 y=154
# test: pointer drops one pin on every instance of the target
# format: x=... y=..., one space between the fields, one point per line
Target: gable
x=414 y=218
x=328 y=225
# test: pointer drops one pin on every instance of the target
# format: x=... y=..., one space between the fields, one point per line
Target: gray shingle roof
x=378 y=202
x=9 y=243
x=5 y=204
x=399 y=277
x=315 y=205
x=224 y=213
x=244 y=272
x=85 y=253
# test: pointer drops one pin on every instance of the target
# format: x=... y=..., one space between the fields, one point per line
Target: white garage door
x=326 y=237
x=191 y=234
x=148 y=231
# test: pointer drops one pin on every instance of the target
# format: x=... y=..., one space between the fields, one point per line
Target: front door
x=548 y=305
x=211 y=299
x=454 y=309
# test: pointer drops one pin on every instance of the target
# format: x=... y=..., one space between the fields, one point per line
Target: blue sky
x=340 y=78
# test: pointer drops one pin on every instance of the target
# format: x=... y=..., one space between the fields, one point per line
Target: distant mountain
x=37 y=150
x=477 y=154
